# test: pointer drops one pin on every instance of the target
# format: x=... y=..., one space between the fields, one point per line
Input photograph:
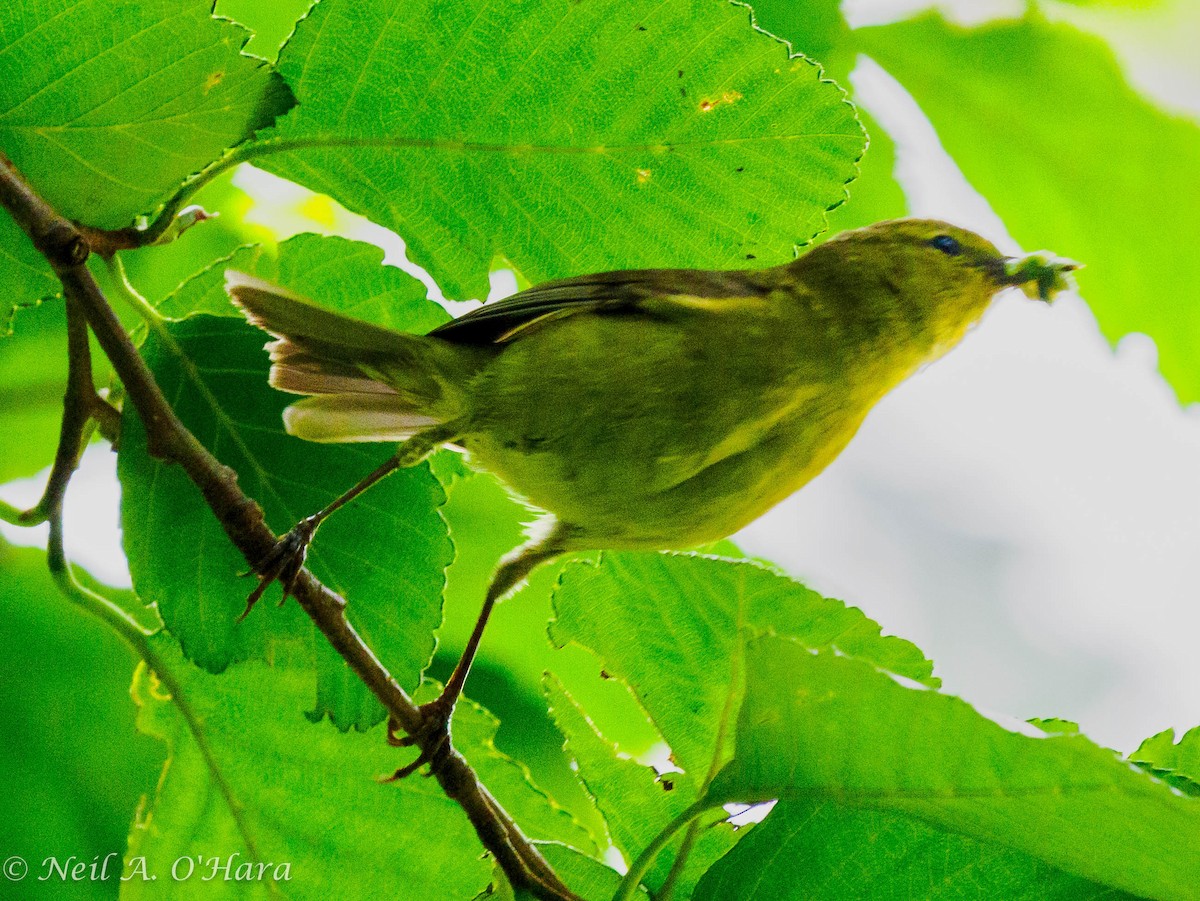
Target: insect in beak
x=1040 y=275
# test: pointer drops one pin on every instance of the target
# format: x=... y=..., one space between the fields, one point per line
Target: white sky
x=1027 y=510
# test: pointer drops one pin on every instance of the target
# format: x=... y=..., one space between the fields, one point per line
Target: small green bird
x=651 y=409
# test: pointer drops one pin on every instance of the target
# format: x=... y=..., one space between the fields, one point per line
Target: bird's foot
x=432 y=736
x=283 y=562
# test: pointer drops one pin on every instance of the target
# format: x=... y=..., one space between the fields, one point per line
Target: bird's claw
x=283 y=562
x=433 y=736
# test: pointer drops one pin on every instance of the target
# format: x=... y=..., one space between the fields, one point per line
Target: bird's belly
x=733 y=492
x=612 y=500
x=640 y=435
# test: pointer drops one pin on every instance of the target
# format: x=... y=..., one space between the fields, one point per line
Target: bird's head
x=925 y=277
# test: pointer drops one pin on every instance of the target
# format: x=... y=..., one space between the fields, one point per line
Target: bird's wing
x=605 y=292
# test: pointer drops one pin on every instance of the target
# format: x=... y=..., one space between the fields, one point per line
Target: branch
x=66 y=249
x=81 y=405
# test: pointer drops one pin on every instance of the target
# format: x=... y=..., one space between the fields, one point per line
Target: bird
x=650 y=409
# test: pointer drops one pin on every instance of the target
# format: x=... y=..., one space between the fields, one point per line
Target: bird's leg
x=433 y=736
x=285 y=560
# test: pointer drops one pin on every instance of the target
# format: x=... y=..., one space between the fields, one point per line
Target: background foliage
x=554 y=138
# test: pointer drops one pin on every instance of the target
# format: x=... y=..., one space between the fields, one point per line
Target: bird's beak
x=1040 y=275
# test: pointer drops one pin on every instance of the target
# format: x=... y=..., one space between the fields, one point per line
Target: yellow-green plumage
x=660 y=408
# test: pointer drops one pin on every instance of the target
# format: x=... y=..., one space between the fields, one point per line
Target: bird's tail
x=368 y=383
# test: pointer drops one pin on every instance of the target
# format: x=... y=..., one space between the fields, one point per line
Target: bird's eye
x=946 y=245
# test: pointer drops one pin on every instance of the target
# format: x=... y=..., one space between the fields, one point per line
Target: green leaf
x=1055 y=725
x=825 y=851
x=820 y=726
x=817 y=29
x=587 y=877
x=875 y=194
x=204 y=292
x=1177 y=763
x=25 y=277
x=74 y=765
x=107 y=107
x=270 y=22
x=33 y=376
x=1072 y=158
x=1163 y=752
x=673 y=627
x=635 y=802
x=341 y=275
x=566 y=137
x=246 y=775
x=385 y=553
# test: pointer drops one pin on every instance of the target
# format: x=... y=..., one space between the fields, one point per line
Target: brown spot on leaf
x=213 y=80
x=605 y=674
x=668 y=785
x=707 y=106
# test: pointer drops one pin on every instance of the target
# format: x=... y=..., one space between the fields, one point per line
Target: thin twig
x=638 y=869
x=80 y=405
x=667 y=889
x=66 y=249
x=132 y=297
